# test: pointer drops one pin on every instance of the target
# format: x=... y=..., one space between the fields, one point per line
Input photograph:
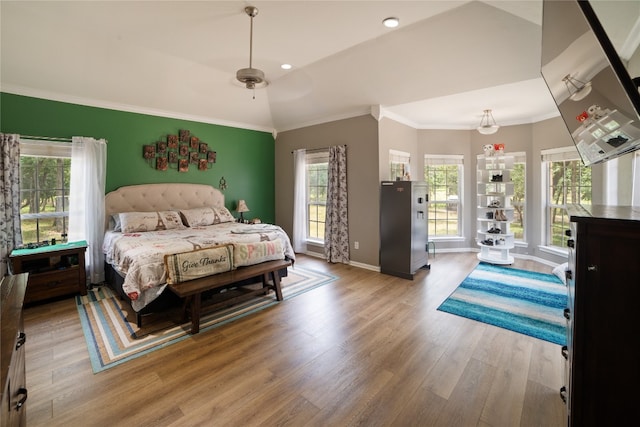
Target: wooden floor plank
x=367 y=349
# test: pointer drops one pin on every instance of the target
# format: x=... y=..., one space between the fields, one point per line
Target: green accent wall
x=245 y=158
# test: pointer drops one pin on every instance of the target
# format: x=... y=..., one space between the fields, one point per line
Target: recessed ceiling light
x=391 y=22
x=286 y=66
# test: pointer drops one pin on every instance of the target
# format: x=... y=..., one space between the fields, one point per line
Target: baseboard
x=376 y=268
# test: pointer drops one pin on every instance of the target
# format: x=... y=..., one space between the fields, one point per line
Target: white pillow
x=559 y=271
x=198 y=216
x=135 y=222
x=224 y=215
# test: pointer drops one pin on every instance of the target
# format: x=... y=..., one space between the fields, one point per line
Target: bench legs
x=276 y=284
x=194 y=302
x=195 y=313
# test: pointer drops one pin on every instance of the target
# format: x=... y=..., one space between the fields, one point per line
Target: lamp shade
x=242 y=206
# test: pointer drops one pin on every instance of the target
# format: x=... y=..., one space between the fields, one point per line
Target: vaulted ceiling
x=444 y=64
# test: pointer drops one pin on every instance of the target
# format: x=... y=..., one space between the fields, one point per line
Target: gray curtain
x=10 y=234
x=336 y=232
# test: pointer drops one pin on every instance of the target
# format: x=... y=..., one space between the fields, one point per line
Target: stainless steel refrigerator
x=403 y=227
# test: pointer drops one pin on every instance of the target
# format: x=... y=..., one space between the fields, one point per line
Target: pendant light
x=488 y=124
x=578 y=90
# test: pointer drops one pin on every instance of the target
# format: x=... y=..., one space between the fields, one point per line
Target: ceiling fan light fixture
x=488 y=124
x=578 y=90
x=251 y=77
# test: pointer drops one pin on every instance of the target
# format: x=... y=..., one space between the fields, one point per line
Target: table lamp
x=241 y=209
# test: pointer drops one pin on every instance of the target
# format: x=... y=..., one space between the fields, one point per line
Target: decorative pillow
x=255 y=253
x=223 y=215
x=559 y=271
x=198 y=216
x=132 y=222
x=199 y=263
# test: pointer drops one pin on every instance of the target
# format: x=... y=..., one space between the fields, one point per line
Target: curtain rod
x=49 y=138
x=312 y=150
x=46 y=138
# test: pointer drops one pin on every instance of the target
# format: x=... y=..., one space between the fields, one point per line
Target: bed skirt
x=166 y=299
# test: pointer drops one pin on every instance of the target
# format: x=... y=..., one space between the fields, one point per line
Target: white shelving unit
x=495 y=213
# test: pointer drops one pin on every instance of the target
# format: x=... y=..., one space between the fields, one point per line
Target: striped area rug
x=522 y=301
x=112 y=336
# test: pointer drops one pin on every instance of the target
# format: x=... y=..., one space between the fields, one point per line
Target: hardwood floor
x=368 y=349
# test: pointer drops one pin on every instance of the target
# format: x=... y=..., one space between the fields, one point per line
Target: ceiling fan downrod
x=250 y=77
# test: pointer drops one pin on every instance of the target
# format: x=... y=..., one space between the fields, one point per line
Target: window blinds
x=443 y=159
x=560 y=154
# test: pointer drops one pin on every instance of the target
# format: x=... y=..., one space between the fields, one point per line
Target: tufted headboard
x=160 y=197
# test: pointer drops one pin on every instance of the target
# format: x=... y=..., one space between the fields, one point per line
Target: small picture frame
x=202 y=164
x=211 y=156
x=204 y=147
x=184 y=135
x=195 y=139
x=162 y=147
x=184 y=150
x=148 y=151
x=195 y=157
x=195 y=144
x=173 y=157
x=183 y=165
x=172 y=141
x=162 y=164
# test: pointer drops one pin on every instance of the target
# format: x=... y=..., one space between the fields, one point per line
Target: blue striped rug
x=522 y=301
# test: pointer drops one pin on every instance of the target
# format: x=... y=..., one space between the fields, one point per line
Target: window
x=44 y=190
x=518 y=176
x=316 y=178
x=399 y=162
x=568 y=181
x=444 y=176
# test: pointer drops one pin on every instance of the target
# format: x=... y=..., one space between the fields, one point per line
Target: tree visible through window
x=569 y=182
x=317 y=174
x=518 y=175
x=44 y=194
x=444 y=176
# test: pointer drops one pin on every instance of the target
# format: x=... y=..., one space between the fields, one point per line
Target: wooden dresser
x=13 y=338
x=603 y=284
x=54 y=270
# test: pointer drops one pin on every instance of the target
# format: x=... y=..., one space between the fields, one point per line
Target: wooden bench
x=191 y=291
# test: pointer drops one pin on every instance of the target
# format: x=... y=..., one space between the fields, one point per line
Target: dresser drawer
x=52 y=284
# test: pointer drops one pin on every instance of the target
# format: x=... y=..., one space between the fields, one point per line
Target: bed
x=147 y=223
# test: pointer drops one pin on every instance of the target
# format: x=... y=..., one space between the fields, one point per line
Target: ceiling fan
x=251 y=77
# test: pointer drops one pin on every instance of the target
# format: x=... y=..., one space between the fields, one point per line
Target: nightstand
x=54 y=270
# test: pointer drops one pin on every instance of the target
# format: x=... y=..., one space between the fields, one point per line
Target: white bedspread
x=139 y=257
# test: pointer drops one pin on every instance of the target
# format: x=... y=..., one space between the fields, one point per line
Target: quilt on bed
x=139 y=257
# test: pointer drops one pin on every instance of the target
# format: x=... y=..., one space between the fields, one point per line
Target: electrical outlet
x=356 y=245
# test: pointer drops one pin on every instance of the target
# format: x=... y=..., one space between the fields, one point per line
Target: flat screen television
x=597 y=98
